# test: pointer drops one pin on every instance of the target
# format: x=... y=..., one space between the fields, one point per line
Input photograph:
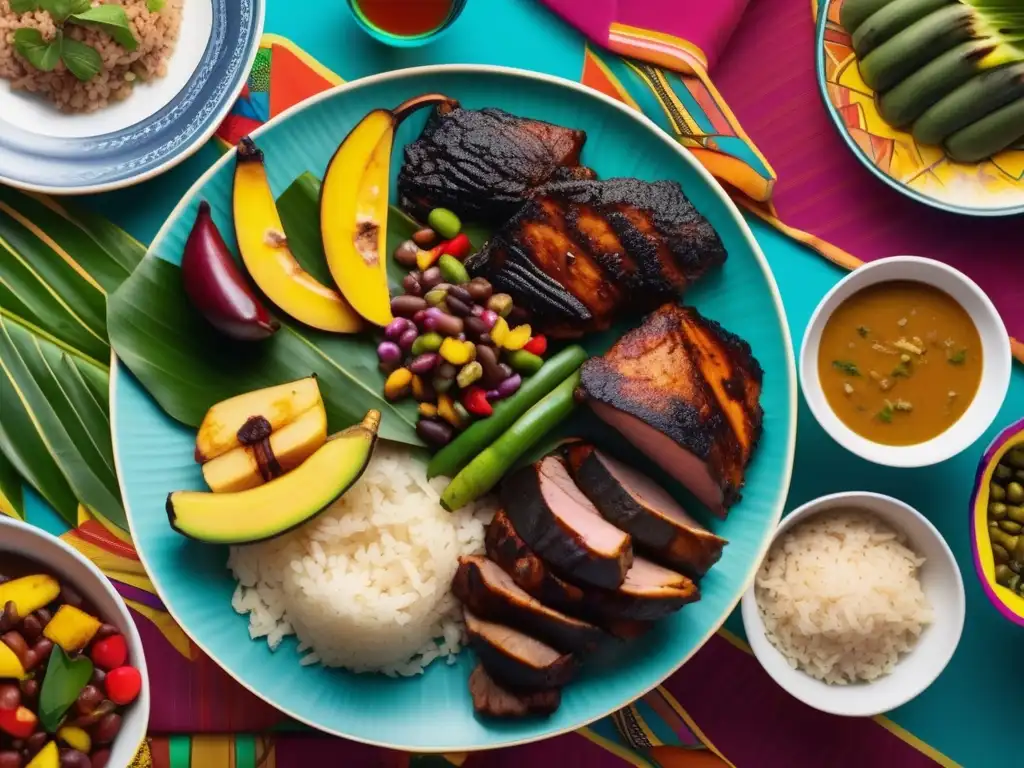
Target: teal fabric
x=974 y=712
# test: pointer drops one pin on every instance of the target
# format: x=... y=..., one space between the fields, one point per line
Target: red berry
x=538 y=345
x=110 y=652
x=475 y=400
x=459 y=246
x=123 y=685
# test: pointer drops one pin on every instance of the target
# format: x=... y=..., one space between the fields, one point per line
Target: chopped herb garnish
x=885 y=414
x=847 y=367
x=863 y=331
x=957 y=358
x=901 y=371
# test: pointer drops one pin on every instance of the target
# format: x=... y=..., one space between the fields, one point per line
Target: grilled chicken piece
x=580 y=253
x=490 y=593
x=686 y=392
x=493 y=700
x=562 y=526
x=516 y=660
x=643 y=509
x=648 y=592
x=484 y=163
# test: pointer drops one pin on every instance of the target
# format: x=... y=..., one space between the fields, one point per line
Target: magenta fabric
x=708 y=24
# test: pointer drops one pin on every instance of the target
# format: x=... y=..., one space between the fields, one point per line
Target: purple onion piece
x=489 y=317
x=509 y=386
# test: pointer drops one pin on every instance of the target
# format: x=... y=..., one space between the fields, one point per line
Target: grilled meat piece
x=580 y=253
x=484 y=163
x=636 y=504
x=516 y=660
x=492 y=700
x=648 y=592
x=562 y=526
x=686 y=392
x=490 y=593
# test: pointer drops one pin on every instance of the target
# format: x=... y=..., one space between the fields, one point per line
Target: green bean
x=1003 y=575
x=1015 y=458
x=996 y=492
x=1000 y=554
x=1002 y=472
x=1015 y=513
x=1018 y=552
x=1016 y=567
x=1014 y=582
x=1004 y=539
x=1010 y=526
x=997 y=510
x=1015 y=493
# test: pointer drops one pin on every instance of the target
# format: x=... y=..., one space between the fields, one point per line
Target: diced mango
x=76 y=738
x=72 y=628
x=47 y=757
x=10 y=665
x=29 y=593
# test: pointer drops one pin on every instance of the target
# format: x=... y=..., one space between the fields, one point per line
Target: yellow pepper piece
x=47 y=757
x=427 y=259
x=76 y=738
x=499 y=332
x=71 y=628
x=397 y=385
x=456 y=352
x=10 y=665
x=428 y=410
x=446 y=410
x=29 y=593
x=517 y=338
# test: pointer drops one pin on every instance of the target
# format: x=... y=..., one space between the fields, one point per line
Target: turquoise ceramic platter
x=434 y=712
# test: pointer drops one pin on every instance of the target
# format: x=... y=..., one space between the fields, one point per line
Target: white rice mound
x=841 y=598
x=366 y=584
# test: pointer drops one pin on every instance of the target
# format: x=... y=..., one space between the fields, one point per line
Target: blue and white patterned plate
x=154 y=129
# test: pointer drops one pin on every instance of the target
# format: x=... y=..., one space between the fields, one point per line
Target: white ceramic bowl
x=942 y=584
x=65 y=562
x=995 y=378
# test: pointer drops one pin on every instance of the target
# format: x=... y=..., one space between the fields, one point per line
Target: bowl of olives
x=997 y=522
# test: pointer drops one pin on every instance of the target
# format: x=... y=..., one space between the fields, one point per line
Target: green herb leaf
x=155 y=6
x=847 y=367
x=37 y=51
x=83 y=61
x=24 y=6
x=65 y=679
x=901 y=371
x=59 y=9
x=863 y=331
x=958 y=358
x=885 y=414
x=111 y=19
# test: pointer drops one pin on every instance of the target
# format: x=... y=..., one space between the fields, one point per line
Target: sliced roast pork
x=494 y=700
x=516 y=660
x=561 y=525
x=490 y=593
x=648 y=592
x=633 y=502
x=686 y=392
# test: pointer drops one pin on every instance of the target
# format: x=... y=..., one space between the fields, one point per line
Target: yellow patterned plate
x=994 y=187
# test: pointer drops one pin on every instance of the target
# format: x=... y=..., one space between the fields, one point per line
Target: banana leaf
x=187 y=367
x=57 y=267
x=12 y=503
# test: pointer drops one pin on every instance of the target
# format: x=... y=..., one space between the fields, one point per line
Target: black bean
x=45 y=616
x=98 y=676
x=29 y=690
x=10 y=759
x=460 y=293
x=456 y=306
x=480 y=289
x=10 y=696
x=100 y=758
x=9 y=616
x=88 y=700
x=69 y=595
x=407 y=306
x=488 y=360
x=72 y=758
x=434 y=432
x=411 y=285
x=106 y=630
x=448 y=325
x=106 y=730
x=431 y=277
x=425 y=237
x=475 y=328
x=506 y=370
x=405 y=254
x=31 y=628
x=42 y=648
x=485 y=338
x=36 y=742
x=518 y=316
x=16 y=643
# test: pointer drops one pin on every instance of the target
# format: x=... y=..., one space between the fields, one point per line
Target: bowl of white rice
x=858 y=606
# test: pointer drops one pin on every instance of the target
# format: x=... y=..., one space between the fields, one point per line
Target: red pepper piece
x=538 y=345
x=475 y=400
x=19 y=723
x=110 y=652
x=123 y=685
x=459 y=246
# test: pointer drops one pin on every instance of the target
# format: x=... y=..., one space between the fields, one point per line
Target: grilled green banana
x=989 y=135
x=970 y=102
x=916 y=45
x=909 y=99
x=892 y=19
x=856 y=12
